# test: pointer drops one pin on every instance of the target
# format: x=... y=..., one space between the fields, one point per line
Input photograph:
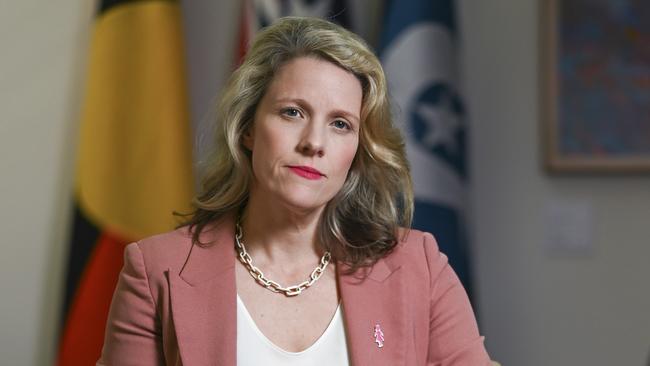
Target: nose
x=312 y=141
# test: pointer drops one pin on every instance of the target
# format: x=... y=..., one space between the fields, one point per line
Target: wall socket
x=568 y=228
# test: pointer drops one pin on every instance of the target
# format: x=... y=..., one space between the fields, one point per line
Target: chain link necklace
x=271 y=285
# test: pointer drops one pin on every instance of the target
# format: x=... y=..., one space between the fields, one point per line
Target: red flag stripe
x=83 y=336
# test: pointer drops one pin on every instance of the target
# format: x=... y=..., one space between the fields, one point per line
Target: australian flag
x=418 y=51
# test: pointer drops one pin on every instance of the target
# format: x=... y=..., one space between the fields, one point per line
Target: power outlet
x=569 y=228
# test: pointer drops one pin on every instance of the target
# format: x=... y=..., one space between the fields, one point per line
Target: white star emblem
x=442 y=124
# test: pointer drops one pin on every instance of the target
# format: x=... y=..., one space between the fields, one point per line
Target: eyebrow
x=304 y=104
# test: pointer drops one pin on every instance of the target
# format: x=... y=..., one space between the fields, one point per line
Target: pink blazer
x=175 y=304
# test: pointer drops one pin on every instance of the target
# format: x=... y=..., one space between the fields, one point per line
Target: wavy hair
x=360 y=224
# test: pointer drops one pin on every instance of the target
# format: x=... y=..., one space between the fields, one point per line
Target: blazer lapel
x=203 y=300
x=370 y=300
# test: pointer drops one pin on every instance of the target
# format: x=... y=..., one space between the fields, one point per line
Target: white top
x=253 y=348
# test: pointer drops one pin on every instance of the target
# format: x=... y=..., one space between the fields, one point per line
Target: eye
x=291 y=112
x=341 y=124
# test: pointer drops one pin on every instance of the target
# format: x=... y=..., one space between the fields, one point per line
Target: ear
x=248 y=139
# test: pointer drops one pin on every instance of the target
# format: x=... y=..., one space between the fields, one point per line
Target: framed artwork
x=595 y=78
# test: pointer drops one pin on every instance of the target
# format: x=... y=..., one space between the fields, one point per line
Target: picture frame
x=595 y=79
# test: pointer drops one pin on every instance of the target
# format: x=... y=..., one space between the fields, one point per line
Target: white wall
x=535 y=309
x=43 y=46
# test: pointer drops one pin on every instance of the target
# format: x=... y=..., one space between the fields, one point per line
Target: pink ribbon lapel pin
x=379 y=336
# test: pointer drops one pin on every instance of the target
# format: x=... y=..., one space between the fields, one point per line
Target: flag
x=418 y=52
x=257 y=14
x=134 y=163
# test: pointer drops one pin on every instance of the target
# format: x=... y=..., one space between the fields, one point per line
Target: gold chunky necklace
x=271 y=285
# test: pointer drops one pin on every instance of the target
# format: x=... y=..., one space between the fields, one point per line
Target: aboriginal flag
x=134 y=160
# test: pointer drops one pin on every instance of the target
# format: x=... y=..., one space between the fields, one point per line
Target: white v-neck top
x=254 y=348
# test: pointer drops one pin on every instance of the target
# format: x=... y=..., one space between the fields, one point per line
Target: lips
x=306 y=172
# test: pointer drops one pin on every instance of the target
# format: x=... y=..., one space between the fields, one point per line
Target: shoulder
x=152 y=257
x=175 y=251
x=414 y=244
x=164 y=251
x=418 y=254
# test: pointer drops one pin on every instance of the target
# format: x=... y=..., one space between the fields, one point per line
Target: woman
x=308 y=187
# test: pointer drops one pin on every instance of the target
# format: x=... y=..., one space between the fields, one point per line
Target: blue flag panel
x=418 y=50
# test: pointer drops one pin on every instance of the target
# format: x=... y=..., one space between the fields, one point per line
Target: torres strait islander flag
x=257 y=14
x=419 y=57
x=134 y=161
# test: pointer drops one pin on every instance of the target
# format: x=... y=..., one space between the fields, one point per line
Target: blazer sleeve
x=454 y=339
x=133 y=332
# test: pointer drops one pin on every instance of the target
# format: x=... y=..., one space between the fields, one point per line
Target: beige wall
x=41 y=68
x=535 y=309
x=539 y=309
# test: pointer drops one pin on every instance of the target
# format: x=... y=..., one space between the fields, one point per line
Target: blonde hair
x=360 y=224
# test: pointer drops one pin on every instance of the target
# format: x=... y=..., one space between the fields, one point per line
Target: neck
x=275 y=234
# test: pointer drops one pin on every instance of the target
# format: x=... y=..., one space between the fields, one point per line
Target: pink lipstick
x=306 y=172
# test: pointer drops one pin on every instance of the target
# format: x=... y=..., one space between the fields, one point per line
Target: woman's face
x=305 y=134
